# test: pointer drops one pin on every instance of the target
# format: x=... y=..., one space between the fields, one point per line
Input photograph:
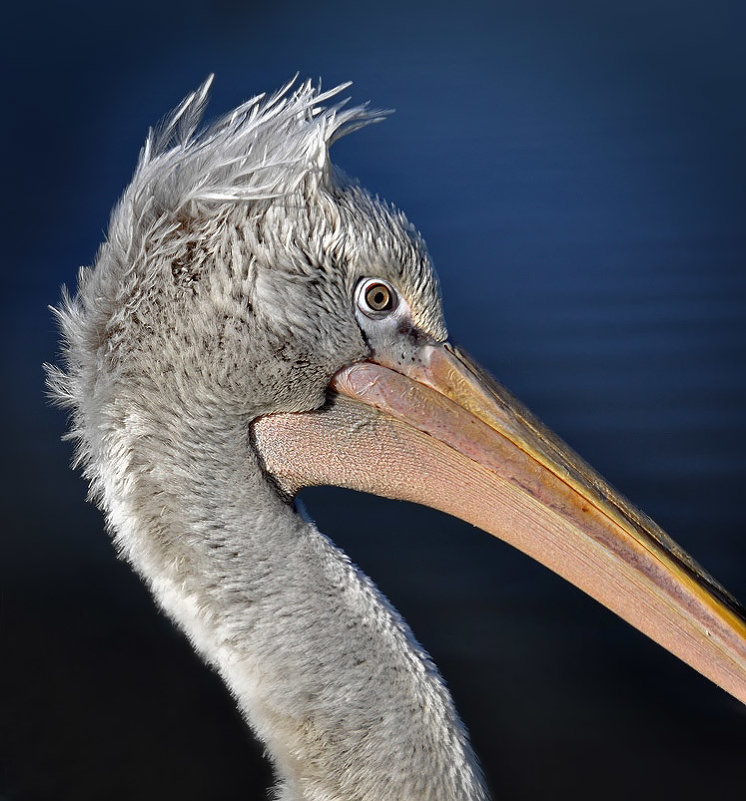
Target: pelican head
x=256 y=322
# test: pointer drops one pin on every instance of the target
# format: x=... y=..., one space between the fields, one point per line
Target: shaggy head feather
x=228 y=269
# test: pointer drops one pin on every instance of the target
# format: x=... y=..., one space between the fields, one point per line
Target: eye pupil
x=378 y=297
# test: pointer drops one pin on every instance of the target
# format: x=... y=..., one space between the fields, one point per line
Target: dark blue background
x=578 y=170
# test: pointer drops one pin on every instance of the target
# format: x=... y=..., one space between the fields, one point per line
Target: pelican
x=255 y=322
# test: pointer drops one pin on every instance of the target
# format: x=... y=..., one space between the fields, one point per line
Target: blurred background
x=579 y=172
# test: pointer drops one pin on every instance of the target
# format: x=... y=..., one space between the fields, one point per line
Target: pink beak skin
x=441 y=432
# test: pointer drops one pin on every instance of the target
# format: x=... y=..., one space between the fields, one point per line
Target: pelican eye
x=376 y=297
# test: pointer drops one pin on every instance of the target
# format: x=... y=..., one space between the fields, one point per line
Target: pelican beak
x=441 y=432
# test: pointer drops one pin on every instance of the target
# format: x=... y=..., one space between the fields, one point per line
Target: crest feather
x=261 y=150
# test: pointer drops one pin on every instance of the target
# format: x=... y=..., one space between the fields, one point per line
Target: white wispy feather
x=261 y=150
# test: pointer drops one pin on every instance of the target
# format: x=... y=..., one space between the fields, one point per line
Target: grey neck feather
x=325 y=671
